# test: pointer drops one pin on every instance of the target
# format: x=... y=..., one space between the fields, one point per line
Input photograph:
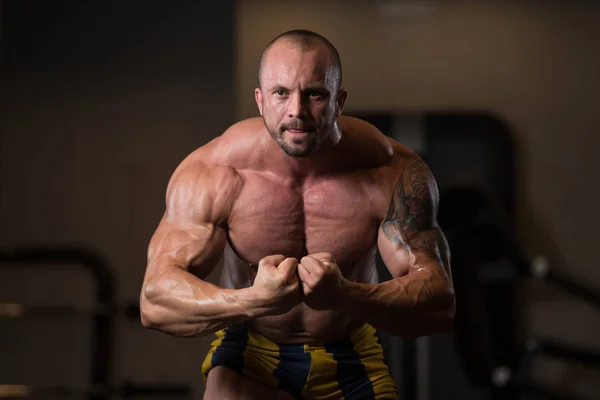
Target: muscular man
x=296 y=203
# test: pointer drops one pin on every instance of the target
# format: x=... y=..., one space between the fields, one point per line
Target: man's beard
x=300 y=146
x=297 y=151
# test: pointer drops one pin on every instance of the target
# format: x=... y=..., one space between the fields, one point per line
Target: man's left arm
x=419 y=300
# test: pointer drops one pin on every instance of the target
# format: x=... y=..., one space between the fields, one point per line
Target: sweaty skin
x=297 y=203
x=234 y=198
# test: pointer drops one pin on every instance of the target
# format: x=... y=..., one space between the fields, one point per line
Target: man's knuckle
x=324 y=257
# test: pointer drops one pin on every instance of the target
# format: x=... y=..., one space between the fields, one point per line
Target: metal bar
x=579 y=290
x=409 y=357
x=540 y=269
x=67 y=310
x=34 y=391
x=103 y=325
x=127 y=391
x=393 y=352
x=15 y=391
x=166 y=389
x=543 y=393
x=423 y=367
x=16 y=310
x=579 y=354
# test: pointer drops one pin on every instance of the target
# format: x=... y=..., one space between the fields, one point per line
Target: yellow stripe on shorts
x=321 y=382
x=227 y=350
x=261 y=358
x=207 y=364
x=366 y=344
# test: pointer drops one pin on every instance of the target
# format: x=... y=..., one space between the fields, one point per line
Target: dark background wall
x=100 y=102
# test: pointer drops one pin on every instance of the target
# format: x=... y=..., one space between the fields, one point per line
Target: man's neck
x=299 y=169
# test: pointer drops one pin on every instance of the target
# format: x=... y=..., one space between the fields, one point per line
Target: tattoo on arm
x=411 y=221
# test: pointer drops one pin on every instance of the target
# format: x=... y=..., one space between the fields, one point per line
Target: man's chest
x=339 y=215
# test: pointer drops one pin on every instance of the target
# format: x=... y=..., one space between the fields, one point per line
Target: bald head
x=299 y=94
x=304 y=40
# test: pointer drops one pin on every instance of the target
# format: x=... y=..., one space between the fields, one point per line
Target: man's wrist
x=350 y=295
x=246 y=301
x=251 y=302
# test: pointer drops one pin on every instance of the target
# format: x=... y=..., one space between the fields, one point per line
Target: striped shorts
x=350 y=369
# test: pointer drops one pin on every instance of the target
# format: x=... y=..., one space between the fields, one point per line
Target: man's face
x=298 y=99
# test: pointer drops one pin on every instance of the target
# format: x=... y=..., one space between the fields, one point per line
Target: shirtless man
x=296 y=203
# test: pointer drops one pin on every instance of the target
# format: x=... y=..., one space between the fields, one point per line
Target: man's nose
x=297 y=106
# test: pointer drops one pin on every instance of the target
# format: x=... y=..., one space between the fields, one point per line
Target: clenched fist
x=321 y=281
x=276 y=284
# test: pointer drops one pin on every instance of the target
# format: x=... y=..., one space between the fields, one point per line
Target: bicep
x=426 y=249
x=194 y=248
x=410 y=237
x=191 y=234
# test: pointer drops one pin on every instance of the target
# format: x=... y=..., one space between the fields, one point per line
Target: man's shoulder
x=395 y=160
x=197 y=175
x=236 y=147
x=230 y=148
x=373 y=145
x=202 y=188
x=222 y=156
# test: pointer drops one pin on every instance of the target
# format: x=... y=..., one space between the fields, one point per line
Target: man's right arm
x=185 y=248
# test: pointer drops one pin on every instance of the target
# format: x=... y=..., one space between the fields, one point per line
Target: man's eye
x=280 y=92
x=314 y=94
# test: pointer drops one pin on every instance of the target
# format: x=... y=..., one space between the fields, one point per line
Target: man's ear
x=259 y=100
x=340 y=101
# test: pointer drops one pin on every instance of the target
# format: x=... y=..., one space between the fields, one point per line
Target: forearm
x=181 y=304
x=409 y=306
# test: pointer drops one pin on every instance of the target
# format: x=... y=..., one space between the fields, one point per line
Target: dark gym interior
x=100 y=101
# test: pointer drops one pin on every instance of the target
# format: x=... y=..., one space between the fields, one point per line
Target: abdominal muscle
x=305 y=325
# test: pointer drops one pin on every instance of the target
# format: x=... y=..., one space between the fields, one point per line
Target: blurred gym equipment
x=103 y=313
x=487 y=356
x=14 y=310
x=96 y=392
